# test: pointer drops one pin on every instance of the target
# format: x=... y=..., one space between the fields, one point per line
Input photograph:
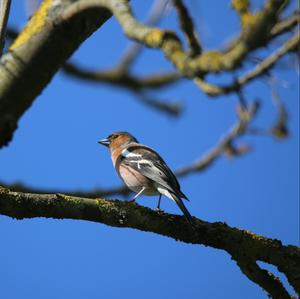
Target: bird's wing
x=151 y=165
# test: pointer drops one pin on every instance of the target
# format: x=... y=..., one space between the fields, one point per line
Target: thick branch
x=240 y=244
x=25 y=65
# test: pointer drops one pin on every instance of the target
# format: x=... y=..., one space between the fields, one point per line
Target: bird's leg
x=137 y=195
x=158 y=204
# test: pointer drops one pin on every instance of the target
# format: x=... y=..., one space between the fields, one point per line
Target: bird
x=143 y=170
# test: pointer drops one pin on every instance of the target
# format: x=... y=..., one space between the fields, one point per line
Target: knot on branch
x=155 y=38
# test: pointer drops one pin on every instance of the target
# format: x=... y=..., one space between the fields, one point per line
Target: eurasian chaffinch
x=143 y=170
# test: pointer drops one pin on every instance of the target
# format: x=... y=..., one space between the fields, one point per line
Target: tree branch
x=135 y=84
x=265 y=279
x=225 y=145
x=286 y=24
x=187 y=27
x=59 y=25
x=259 y=70
x=133 y=51
x=254 y=35
x=119 y=78
x=242 y=245
x=25 y=65
x=4 y=13
x=97 y=192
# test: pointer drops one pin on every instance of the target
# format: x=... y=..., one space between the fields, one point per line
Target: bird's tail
x=178 y=201
x=182 y=207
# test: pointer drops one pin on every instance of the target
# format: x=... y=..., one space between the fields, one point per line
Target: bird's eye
x=112 y=136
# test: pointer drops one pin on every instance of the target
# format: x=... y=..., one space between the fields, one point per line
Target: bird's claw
x=158 y=210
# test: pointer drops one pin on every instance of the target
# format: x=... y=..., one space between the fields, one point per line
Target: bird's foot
x=131 y=200
x=159 y=210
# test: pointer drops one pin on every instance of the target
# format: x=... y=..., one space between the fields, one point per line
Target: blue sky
x=56 y=147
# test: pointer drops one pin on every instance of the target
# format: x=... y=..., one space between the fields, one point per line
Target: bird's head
x=118 y=139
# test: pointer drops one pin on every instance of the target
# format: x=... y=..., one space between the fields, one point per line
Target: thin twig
x=134 y=49
x=4 y=13
x=97 y=192
x=120 y=78
x=286 y=24
x=225 y=145
x=279 y=129
x=188 y=28
x=172 y=109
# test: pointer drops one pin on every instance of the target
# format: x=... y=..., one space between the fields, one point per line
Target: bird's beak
x=104 y=142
